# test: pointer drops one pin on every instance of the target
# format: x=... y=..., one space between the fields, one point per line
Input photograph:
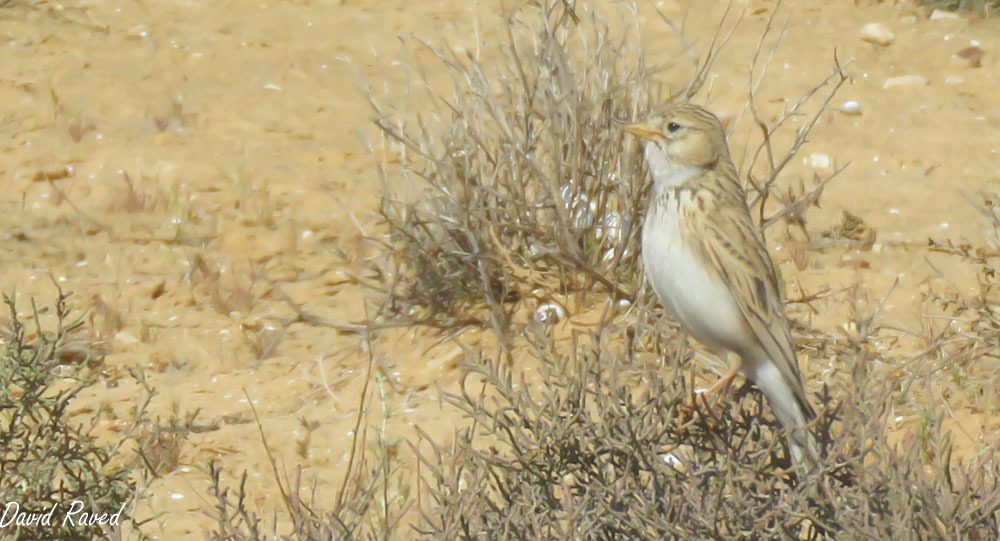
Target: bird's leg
x=735 y=363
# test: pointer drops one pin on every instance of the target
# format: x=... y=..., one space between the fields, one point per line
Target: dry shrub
x=587 y=457
x=518 y=180
x=362 y=506
x=236 y=520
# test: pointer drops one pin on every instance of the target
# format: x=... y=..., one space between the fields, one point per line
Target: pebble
x=954 y=80
x=878 y=34
x=939 y=14
x=550 y=313
x=671 y=459
x=973 y=54
x=851 y=107
x=905 y=81
x=126 y=337
x=819 y=160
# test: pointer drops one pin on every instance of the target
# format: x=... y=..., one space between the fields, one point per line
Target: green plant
x=49 y=463
x=984 y=7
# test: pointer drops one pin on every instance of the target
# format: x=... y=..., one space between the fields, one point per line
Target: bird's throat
x=667 y=173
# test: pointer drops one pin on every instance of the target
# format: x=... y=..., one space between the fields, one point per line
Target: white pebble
x=669 y=458
x=938 y=14
x=126 y=337
x=549 y=313
x=819 y=160
x=954 y=80
x=851 y=107
x=878 y=34
x=905 y=81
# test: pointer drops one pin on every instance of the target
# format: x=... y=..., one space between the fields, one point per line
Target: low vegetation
x=49 y=462
x=514 y=187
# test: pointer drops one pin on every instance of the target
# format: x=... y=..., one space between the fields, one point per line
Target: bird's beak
x=645 y=131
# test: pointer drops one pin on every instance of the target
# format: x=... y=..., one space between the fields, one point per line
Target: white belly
x=703 y=305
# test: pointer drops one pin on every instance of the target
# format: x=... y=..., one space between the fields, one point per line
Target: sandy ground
x=169 y=161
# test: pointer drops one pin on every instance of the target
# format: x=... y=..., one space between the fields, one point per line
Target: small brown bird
x=706 y=261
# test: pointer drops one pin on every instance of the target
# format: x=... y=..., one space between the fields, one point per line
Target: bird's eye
x=673 y=126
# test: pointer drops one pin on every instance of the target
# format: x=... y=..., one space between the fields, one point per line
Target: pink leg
x=727 y=378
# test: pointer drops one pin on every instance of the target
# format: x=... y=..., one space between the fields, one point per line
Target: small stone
x=819 y=160
x=973 y=54
x=126 y=337
x=939 y=14
x=878 y=34
x=905 y=81
x=672 y=460
x=954 y=80
x=550 y=313
x=851 y=107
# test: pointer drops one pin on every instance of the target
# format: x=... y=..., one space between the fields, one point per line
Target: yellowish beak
x=644 y=131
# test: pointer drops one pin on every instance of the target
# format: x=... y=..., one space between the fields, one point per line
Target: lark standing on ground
x=709 y=267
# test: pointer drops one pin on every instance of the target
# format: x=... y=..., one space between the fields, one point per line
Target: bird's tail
x=793 y=411
x=805 y=450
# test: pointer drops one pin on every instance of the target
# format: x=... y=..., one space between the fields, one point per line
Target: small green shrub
x=47 y=456
x=984 y=7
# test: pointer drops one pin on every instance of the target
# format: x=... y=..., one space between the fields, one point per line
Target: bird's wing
x=730 y=246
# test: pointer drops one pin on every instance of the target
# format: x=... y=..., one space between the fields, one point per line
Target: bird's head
x=685 y=136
